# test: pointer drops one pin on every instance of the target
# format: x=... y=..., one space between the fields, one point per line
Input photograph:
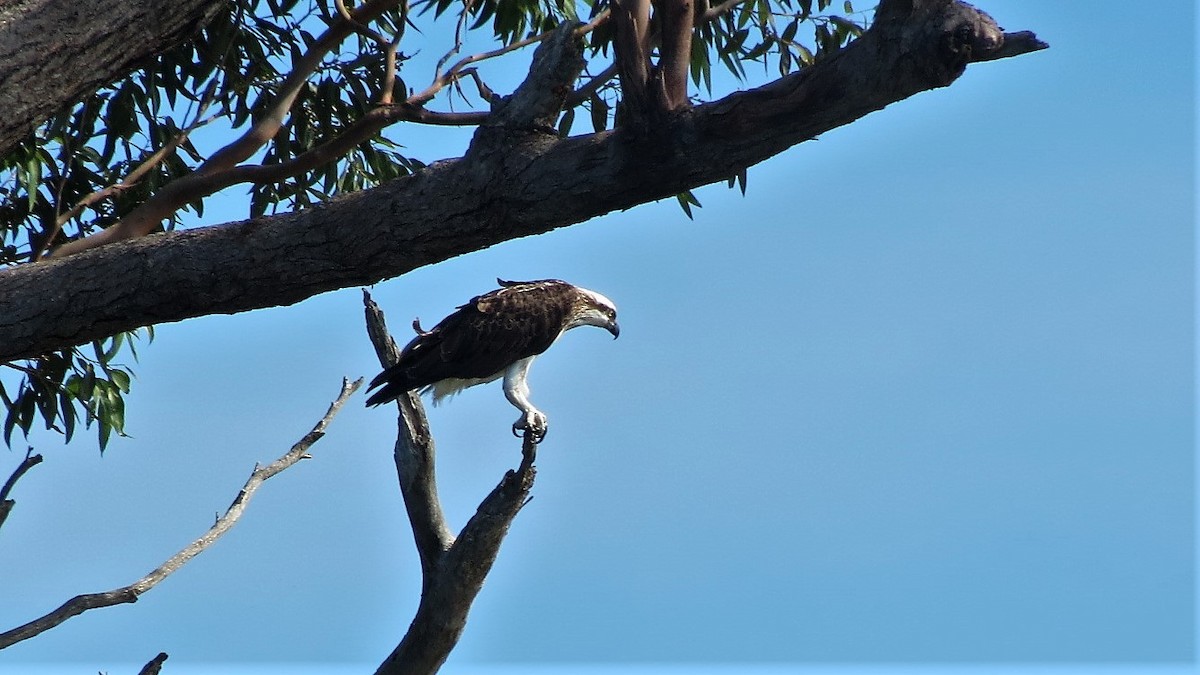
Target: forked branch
x=81 y=603
x=452 y=569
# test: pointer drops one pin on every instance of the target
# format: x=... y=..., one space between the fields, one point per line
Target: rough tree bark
x=56 y=53
x=516 y=179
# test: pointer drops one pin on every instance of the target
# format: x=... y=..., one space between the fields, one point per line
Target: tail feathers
x=394 y=383
x=390 y=392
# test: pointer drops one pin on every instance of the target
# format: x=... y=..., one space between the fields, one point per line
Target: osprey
x=495 y=335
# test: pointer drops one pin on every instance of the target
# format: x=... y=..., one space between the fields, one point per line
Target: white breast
x=451 y=386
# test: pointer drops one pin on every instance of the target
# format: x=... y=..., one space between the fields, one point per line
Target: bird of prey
x=497 y=334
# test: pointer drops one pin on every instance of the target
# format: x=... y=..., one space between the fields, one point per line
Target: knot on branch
x=536 y=103
x=940 y=37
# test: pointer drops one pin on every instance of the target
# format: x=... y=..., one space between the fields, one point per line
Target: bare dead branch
x=590 y=87
x=6 y=505
x=414 y=455
x=442 y=613
x=456 y=71
x=442 y=80
x=485 y=92
x=31 y=460
x=81 y=603
x=154 y=666
x=452 y=569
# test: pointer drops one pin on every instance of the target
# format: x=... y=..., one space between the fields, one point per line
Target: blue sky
x=924 y=395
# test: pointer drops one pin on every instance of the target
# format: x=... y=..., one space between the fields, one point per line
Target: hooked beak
x=614 y=328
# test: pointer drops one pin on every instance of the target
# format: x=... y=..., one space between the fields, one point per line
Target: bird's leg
x=516 y=390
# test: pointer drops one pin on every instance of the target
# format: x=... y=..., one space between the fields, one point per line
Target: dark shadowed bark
x=452 y=569
x=516 y=179
x=56 y=53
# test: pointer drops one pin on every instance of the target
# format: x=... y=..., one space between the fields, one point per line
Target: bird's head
x=592 y=309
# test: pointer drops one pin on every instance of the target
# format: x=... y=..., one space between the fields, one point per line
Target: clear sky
x=924 y=395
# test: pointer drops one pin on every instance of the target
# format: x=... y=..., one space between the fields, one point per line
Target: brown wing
x=481 y=338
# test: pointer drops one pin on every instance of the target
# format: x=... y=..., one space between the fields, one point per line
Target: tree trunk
x=57 y=53
x=516 y=180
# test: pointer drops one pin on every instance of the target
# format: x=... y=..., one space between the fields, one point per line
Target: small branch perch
x=154 y=666
x=81 y=603
x=6 y=505
x=452 y=570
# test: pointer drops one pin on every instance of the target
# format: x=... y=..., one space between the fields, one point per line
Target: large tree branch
x=534 y=184
x=81 y=603
x=452 y=569
x=37 y=38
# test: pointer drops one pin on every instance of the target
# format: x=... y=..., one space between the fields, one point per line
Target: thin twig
x=718 y=10
x=360 y=28
x=441 y=80
x=31 y=460
x=130 y=593
x=6 y=505
x=389 y=47
x=585 y=91
x=129 y=181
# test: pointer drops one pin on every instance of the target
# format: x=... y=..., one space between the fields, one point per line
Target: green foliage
x=62 y=387
x=686 y=201
x=94 y=163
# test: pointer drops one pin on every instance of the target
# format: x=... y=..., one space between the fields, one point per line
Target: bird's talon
x=532 y=425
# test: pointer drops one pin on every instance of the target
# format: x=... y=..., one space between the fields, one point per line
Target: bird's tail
x=393 y=382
